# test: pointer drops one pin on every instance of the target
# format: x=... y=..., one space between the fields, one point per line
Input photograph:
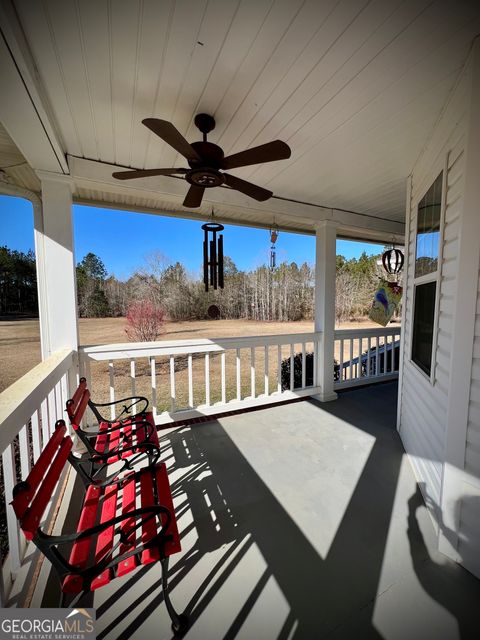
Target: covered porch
x=297 y=521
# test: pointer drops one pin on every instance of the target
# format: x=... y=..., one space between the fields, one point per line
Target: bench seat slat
x=127 y=438
x=77 y=396
x=22 y=500
x=128 y=505
x=105 y=538
x=32 y=518
x=81 y=549
x=112 y=443
x=149 y=526
x=165 y=498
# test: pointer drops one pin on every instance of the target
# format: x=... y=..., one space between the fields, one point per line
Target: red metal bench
x=119 y=439
x=145 y=534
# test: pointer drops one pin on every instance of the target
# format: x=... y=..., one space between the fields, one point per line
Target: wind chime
x=273 y=256
x=213 y=255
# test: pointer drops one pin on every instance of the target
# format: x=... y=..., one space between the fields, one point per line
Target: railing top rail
x=19 y=401
x=177 y=347
x=367 y=332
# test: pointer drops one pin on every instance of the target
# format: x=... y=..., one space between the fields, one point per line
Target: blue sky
x=123 y=239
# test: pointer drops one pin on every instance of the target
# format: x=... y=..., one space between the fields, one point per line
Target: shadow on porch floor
x=299 y=521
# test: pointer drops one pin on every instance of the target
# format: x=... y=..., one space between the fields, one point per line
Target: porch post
x=325 y=267
x=55 y=265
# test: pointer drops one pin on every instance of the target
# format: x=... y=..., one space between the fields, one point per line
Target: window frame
x=434 y=276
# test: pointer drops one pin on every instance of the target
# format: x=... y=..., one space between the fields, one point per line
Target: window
x=428 y=230
x=426 y=274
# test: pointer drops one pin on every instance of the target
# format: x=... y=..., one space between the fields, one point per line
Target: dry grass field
x=20 y=351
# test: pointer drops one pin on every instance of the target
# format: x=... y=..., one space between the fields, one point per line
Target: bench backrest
x=76 y=406
x=31 y=496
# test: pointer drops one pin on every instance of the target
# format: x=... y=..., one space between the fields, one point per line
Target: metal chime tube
x=220 y=261
x=213 y=256
x=205 y=260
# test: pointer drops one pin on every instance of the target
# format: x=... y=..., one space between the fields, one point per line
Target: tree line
x=284 y=293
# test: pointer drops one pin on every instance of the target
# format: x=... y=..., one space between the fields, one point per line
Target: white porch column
x=57 y=299
x=325 y=267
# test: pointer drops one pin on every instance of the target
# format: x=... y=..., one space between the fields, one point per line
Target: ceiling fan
x=207 y=161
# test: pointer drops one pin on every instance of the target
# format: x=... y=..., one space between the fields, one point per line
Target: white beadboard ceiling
x=353 y=86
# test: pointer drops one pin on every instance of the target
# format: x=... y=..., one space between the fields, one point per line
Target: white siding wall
x=442 y=442
x=423 y=405
x=470 y=507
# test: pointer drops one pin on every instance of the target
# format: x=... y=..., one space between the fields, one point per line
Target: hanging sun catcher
x=213 y=255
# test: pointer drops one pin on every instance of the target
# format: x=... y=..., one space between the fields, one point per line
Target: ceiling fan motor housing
x=204 y=173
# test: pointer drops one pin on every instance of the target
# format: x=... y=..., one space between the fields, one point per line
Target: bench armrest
x=100 y=458
x=48 y=543
x=128 y=404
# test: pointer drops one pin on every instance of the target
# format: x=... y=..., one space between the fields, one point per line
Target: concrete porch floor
x=301 y=521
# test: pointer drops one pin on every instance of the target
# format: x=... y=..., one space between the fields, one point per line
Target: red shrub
x=145 y=321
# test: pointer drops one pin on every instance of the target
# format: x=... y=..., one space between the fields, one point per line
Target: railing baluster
x=64 y=395
x=133 y=383
x=351 y=358
x=369 y=346
x=252 y=372
x=58 y=401
x=279 y=371
x=111 y=376
x=44 y=417
x=36 y=436
x=341 y=376
x=377 y=358
x=393 y=353
x=238 y=371
x=207 y=379
x=223 y=377
x=9 y=481
x=52 y=413
x=385 y=359
x=173 y=405
x=360 y=344
x=88 y=416
x=316 y=347
x=267 y=365
x=24 y=451
x=153 y=383
x=304 y=366
x=292 y=371
x=190 y=381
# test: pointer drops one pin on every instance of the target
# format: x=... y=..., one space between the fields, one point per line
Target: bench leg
x=179 y=621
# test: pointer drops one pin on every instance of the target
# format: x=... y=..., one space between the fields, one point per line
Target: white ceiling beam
x=97 y=176
x=24 y=109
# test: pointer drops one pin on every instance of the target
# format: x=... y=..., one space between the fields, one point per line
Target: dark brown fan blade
x=146 y=173
x=249 y=189
x=194 y=197
x=276 y=150
x=172 y=136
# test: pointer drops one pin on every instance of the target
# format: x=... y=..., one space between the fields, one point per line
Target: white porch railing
x=366 y=356
x=188 y=378
x=28 y=411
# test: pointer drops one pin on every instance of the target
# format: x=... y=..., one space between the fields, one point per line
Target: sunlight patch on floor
x=311 y=464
